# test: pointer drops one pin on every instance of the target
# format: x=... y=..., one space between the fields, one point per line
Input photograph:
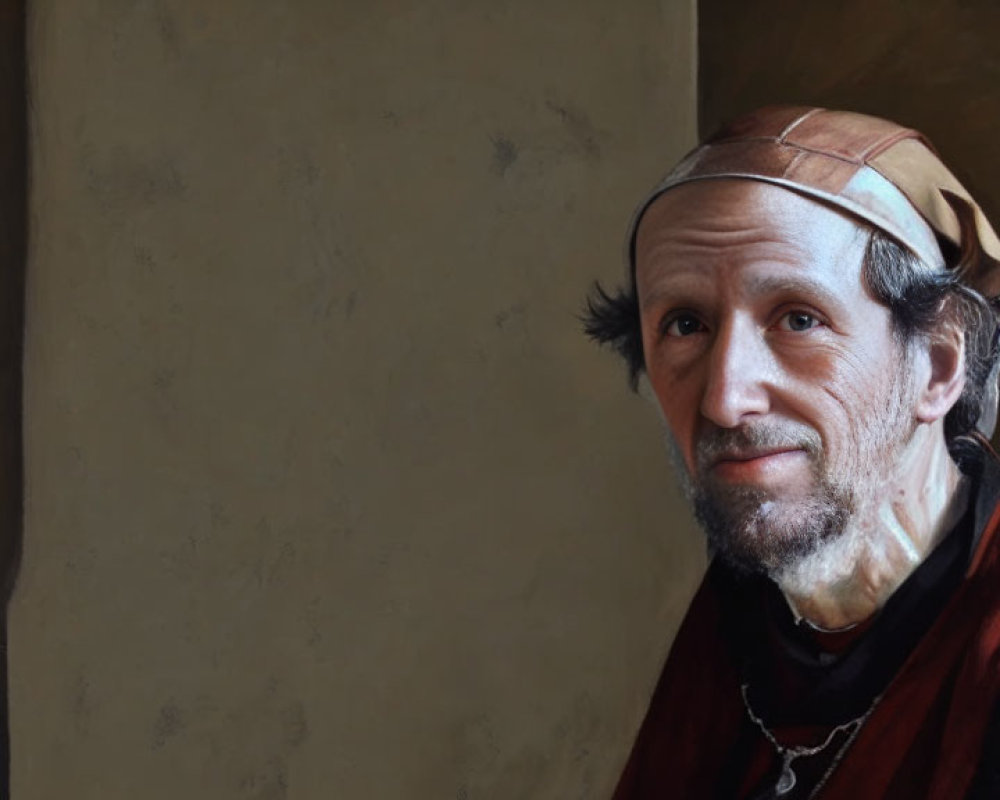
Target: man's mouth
x=754 y=465
x=754 y=454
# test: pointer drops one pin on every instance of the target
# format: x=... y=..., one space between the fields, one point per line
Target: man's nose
x=739 y=364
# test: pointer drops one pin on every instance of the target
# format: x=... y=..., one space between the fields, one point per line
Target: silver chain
x=787 y=779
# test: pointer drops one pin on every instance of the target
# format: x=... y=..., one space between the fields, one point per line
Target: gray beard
x=748 y=528
x=751 y=533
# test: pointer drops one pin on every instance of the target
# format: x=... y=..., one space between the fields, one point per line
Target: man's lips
x=757 y=465
x=743 y=456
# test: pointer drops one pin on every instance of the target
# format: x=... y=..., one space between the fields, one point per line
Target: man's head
x=793 y=343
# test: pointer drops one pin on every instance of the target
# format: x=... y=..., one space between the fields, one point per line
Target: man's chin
x=754 y=532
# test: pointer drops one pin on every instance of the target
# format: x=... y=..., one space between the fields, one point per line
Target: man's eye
x=683 y=325
x=799 y=321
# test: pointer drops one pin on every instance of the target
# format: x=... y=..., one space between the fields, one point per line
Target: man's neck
x=846 y=581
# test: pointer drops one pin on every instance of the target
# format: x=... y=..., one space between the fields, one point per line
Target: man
x=810 y=299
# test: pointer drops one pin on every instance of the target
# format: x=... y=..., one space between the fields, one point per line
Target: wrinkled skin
x=809 y=438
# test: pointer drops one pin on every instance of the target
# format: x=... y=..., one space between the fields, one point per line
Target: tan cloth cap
x=877 y=170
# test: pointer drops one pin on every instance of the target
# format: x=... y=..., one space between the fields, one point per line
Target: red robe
x=923 y=740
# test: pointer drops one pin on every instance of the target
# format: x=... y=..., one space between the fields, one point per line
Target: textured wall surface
x=327 y=496
x=930 y=64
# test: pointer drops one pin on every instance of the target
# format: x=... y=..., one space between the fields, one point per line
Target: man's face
x=785 y=393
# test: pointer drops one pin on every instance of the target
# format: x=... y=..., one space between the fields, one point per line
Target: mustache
x=715 y=443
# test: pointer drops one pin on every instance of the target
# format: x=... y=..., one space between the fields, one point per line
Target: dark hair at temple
x=918 y=299
x=614 y=320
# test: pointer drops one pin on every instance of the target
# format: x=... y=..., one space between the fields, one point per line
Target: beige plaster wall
x=327 y=496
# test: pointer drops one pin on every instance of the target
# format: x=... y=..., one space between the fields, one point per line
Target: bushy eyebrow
x=794 y=284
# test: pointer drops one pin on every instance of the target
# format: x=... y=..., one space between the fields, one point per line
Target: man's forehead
x=734 y=215
x=733 y=241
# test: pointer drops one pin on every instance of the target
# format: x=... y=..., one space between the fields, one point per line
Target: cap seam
x=803 y=148
x=796 y=122
x=879 y=147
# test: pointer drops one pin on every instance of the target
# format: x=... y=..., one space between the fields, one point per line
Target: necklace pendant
x=786 y=781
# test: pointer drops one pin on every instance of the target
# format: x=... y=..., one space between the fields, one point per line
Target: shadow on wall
x=13 y=252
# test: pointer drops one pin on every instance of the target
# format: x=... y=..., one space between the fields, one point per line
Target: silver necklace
x=787 y=779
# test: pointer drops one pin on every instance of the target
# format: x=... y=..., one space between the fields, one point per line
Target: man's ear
x=945 y=351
